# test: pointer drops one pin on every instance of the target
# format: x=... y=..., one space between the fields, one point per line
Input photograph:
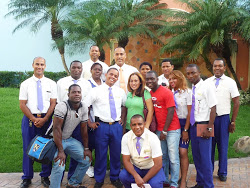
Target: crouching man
x=142 y=156
x=77 y=112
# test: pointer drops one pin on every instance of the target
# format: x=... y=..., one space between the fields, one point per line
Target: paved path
x=238 y=177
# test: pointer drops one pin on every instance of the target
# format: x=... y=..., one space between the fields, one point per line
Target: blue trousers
x=73 y=163
x=221 y=138
x=155 y=182
x=28 y=133
x=107 y=136
x=201 y=150
x=77 y=135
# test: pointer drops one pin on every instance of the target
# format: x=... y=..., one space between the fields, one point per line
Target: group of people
x=101 y=108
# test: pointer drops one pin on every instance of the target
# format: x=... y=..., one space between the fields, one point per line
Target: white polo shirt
x=127 y=70
x=163 y=79
x=98 y=97
x=226 y=90
x=205 y=99
x=93 y=82
x=86 y=67
x=63 y=87
x=28 y=91
x=150 y=148
x=183 y=99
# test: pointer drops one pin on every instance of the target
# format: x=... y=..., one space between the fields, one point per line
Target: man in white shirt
x=142 y=156
x=124 y=69
x=108 y=103
x=37 y=101
x=203 y=111
x=62 y=90
x=166 y=67
x=226 y=89
x=94 y=54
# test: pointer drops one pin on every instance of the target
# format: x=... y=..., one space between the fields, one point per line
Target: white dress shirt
x=63 y=87
x=98 y=97
x=163 y=79
x=226 y=90
x=86 y=68
x=183 y=98
x=205 y=99
x=150 y=148
x=127 y=70
x=28 y=91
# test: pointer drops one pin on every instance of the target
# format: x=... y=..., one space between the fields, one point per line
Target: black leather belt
x=97 y=119
x=40 y=115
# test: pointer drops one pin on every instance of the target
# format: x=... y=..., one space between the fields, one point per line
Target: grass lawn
x=11 y=138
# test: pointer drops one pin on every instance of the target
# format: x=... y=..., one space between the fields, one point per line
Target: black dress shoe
x=26 y=183
x=98 y=184
x=197 y=186
x=45 y=181
x=222 y=178
x=117 y=183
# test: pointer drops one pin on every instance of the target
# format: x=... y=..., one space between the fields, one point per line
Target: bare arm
x=154 y=170
x=169 y=119
x=185 y=137
x=130 y=168
x=84 y=134
x=123 y=118
x=236 y=106
x=42 y=121
x=211 y=121
x=57 y=135
x=26 y=110
x=150 y=108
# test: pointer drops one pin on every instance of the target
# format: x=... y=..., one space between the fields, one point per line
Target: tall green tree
x=36 y=13
x=207 y=27
x=99 y=21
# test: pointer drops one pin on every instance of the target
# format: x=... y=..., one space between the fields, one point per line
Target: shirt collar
x=72 y=79
x=36 y=79
x=142 y=136
x=198 y=84
x=222 y=77
x=93 y=61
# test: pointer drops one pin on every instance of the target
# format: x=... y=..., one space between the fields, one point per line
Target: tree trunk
x=208 y=64
x=64 y=64
x=229 y=64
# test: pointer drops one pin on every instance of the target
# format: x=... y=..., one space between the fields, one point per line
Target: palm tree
x=99 y=21
x=38 y=12
x=208 y=27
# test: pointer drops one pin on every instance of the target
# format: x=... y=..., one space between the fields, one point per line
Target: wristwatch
x=209 y=129
x=165 y=133
x=86 y=149
x=186 y=130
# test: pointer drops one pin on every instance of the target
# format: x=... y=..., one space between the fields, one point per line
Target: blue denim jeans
x=75 y=149
x=170 y=151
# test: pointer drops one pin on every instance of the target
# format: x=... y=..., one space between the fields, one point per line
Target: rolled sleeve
x=125 y=150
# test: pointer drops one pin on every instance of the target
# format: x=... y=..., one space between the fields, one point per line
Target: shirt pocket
x=200 y=102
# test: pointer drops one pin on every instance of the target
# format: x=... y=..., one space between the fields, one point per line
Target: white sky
x=18 y=50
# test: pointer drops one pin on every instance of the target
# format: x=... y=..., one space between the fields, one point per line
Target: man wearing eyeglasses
x=76 y=112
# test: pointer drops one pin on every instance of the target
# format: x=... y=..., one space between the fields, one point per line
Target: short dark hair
x=194 y=65
x=220 y=59
x=145 y=63
x=38 y=57
x=93 y=46
x=153 y=73
x=136 y=116
x=75 y=61
x=113 y=69
x=73 y=85
x=167 y=60
x=95 y=64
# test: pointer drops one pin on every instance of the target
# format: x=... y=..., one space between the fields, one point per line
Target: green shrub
x=244 y=97
x=14 y=79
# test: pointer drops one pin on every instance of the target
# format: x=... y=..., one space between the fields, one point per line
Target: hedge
x=14 y=79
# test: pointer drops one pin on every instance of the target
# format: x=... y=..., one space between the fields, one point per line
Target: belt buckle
x=110 y=123
x=39 y=115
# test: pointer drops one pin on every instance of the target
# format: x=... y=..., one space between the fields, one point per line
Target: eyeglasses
x=77 y=115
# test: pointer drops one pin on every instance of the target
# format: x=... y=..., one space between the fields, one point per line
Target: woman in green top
x=134 y=102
